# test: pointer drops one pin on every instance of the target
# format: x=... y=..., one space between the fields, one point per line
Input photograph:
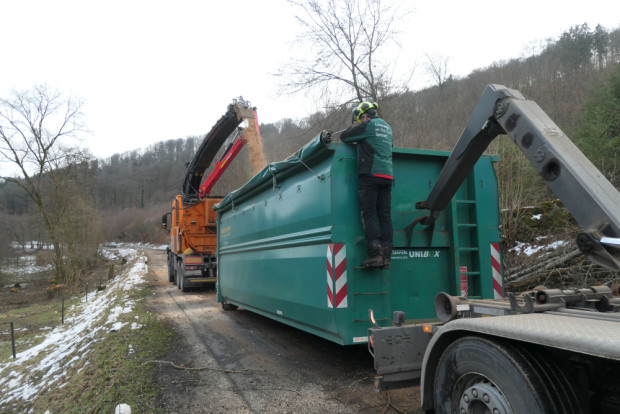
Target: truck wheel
x=182 y=285
x=177 y=273
x=170 y=268
x=476 y=375
x=180 y=276
x=229 y=306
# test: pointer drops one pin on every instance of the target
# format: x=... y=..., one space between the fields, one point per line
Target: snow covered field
x=67 y=346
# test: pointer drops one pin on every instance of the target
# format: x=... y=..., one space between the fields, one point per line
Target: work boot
x=376 y=261
x=373 y=254
x=386 y=249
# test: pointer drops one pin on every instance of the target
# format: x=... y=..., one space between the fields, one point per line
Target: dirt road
x=241 y=362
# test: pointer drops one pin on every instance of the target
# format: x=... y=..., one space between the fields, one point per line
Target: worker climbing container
x=290 y=243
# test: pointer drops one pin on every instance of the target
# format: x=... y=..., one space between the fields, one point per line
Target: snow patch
x=68 y=345
x=117 y=326
x=529 y=249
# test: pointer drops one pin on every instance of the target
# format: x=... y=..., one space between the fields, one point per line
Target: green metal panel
x=280 y=233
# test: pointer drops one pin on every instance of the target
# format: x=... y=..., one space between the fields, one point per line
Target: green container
x=290 y=243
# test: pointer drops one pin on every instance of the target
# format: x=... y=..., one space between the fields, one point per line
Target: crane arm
x=237 y=112
x=588 y=195
x=221 y=166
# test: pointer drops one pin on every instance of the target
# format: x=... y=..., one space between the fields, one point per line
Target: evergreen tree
x=599 y=133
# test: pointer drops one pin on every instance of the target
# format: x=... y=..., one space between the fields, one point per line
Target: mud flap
x=398 y=352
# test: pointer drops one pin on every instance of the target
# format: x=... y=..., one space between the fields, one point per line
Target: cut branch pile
x=562 y=269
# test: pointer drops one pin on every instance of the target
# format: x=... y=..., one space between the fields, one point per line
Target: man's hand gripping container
x=290 y=243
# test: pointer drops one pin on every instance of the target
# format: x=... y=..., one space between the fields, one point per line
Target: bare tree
x=34 y=126
x=437 y=68
x=343 y=43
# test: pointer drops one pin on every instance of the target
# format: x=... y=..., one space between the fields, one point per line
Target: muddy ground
x=241 y=362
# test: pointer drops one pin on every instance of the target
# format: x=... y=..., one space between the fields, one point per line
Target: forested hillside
x=575 y=79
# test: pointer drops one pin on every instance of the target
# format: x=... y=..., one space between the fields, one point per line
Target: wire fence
x=22 y=327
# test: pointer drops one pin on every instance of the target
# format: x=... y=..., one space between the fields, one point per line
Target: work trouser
x=375 y=195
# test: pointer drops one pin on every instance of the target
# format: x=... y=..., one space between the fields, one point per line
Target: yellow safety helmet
x=362 y=109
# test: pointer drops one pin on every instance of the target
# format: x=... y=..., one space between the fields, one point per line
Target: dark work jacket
x=374 y=147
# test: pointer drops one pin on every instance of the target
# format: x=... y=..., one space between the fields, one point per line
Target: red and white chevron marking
x=498 y=290
x=330 y=280
x=337 y=275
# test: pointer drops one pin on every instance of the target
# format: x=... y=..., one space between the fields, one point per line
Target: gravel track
x=240 y=362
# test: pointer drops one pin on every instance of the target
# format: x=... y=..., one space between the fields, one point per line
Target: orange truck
x=192 y=260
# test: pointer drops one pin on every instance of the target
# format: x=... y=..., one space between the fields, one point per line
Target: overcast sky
x=151 y=70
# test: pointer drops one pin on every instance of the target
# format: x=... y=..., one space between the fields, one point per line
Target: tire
x=566 y=396
x=477 y=374
x=170 y=267
x=177 y=273
x=182 y=281
x=180 y=276
x=229 y=306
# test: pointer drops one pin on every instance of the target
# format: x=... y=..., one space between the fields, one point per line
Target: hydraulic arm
x=237 y=112
x=592 y=200
x=229 y=155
